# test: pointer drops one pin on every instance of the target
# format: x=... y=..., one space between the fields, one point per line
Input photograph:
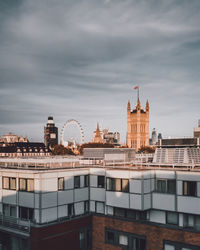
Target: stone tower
x=137 y=126
x=97 y=135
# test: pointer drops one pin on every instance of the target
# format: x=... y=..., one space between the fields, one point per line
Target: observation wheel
x=71 y=121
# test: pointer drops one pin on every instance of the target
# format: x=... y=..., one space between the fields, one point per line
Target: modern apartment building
x=68 y=205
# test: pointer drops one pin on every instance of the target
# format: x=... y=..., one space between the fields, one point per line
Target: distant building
x=97 y=135
x=50 y=133
x=137 y=126
x=154 y=138
x=11 y=138
x=179 y=142
x=159 y=136
x=24 y=149
x=111 y=137
x=197 y=131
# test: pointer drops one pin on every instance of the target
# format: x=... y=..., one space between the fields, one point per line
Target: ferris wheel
x=71 y=121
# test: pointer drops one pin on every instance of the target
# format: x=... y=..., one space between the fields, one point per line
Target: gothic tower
x=97 y=136
x=137 y=126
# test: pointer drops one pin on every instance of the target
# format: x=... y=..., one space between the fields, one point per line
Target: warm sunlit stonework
x=137 y=126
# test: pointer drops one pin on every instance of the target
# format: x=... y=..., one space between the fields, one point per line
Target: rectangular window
x=123 y=240
x=110 y=237
x=172 y=218
x=119 y=212
x=118 y=185
x=125 y=185
x=101 y=182
x=26 y=185
x=26 y=213
x=86 y=180
x=86 y=206
x=190 y=188
x=166 y=186
x=76 y=181
x=70 y=209
x=61 y=183
x=9 y=183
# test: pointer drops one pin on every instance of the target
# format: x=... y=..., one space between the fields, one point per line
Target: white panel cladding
x=81 y=194
x=49 y=214
x=157 y=216
x=26 y=199
x=62 y=211
x=165 y=174
x=100 y=207
x=37 y=185
x=9 y=196
x=93 y=181
x=82 y=181
x=92 y=206
x=179 y=187
x=50 y=185
x=117 y=199
x=147 y=185
x=110 y=210
x=117 y=174
x=79 y=208
x=163 y=201
x=188 y=176
x=37 y=200
x=65 y=197
x=136 y=174
x=49 y=175
x=79 y=172
x=147 y=201
x=136 y=201
x=152 y=184
x=135 y=186
x=49 y=200
x=97 y=194
x=69 y=182
x=180 y=220
x=37 y=215
x=97 y=171
x=198 y=189
x=148 y=174
x=188 y=204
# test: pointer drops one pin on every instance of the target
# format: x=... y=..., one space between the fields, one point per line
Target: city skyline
x=81 y=60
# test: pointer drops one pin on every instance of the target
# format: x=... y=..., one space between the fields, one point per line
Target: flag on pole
x=136 y=87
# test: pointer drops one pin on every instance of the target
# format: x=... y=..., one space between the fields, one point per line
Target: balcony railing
x=14 y=224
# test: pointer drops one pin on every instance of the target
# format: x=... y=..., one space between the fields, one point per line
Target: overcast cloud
x=80 y=60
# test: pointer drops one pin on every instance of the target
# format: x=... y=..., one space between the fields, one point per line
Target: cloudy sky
x=81 y=59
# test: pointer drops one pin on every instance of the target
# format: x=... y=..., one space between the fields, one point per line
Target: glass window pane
x=171 y=187
x=22 y=184
x=125 y=185
x=86 y=179
x=6 y=182
x=76 y=181
x=13 y=183
x=101 y=181
x=123 y=240
x=169 y=247
x=13 y=211
x=197 y=222
x=161 y=186
x=30 y=185
x=61 y=183
x=172 y=218
x=110 y=236
x=118 y=185
x=119 y=212
x=6 y=210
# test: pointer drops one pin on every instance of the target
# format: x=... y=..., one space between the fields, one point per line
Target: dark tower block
x=50 y=133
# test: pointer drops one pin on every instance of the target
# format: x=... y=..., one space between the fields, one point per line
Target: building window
x=101 y=181
x=9 y=183
x=26 y=213
x=138 y=244
x=26 y=185
x=76 y=181
x=119 y=212
x=85 y=239
x=110 y=237
x=190 y=188
x=169 y=245
x=166 y=186
x=100 y=207
x=61 y=183
x=86 y=206
x=123 y=240
x=172 y=218
x=9 y=210
x=119 y=185
x=71 y=210
x=86 y=180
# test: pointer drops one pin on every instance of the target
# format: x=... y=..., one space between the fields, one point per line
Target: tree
x=146 y=150
x=61 y=150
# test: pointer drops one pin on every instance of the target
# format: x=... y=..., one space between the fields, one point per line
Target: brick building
x=68 y=205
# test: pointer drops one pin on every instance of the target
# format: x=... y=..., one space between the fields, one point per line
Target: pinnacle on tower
x=147 y=105
x=128 y=106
